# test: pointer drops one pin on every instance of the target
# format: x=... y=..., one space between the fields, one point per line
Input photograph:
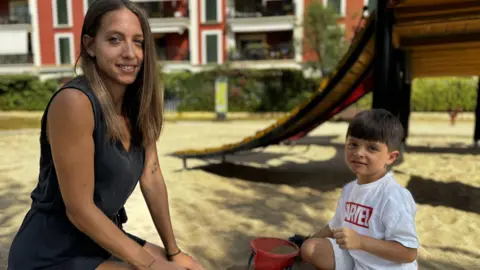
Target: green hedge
x=249 y=90
x=25 y=92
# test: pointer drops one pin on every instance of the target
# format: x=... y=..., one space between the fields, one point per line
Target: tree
x=324 y=37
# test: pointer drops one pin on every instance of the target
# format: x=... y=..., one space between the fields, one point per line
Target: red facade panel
x=47 y=41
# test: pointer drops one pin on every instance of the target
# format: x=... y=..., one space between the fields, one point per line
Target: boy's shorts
x=343 y=259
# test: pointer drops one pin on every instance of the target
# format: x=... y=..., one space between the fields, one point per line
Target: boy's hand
x=347 y=238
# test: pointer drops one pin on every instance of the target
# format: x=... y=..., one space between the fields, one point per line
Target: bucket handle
x=252 y=255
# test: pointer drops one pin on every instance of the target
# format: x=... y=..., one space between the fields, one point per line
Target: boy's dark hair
x=377 y=125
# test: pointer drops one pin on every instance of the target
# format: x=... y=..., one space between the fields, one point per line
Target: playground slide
x=351 y=81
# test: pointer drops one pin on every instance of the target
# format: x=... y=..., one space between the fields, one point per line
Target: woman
x=98 y=140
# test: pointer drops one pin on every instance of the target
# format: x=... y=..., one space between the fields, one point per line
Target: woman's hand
x=186 y=262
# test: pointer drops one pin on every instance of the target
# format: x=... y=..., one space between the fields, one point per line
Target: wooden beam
x=435 y=10
x=435 y=71
x=440 y=41
x=442 y=27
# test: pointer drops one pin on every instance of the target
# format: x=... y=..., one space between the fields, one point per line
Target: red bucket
x=265 y=259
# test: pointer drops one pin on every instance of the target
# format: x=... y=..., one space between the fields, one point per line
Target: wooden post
x=476 y=134
x=384 y=58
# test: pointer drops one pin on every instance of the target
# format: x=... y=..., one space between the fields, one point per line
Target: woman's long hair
x=143 y=100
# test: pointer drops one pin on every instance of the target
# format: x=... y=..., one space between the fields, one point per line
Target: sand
x=278 y=191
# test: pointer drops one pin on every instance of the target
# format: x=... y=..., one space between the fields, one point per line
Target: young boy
x=374 y=223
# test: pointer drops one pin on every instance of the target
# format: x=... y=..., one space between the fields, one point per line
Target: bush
x=25 y=92
x=437 y=95
x=249 y=90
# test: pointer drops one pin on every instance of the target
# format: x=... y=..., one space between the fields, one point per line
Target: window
x=212 y=47
x=212 y=42
x=211 y=11
x=62 y=13
x=64 y=49
x=336 y=5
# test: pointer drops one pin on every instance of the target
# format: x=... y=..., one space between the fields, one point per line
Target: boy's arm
x=393 y=251
x=323 y=233
x=389 y=250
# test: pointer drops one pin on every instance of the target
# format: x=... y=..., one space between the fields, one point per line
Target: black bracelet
x=169 y=256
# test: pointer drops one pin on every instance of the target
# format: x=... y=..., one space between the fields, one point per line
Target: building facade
x=43 y=36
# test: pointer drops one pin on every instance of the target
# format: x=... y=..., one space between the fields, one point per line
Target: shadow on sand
x=453 y=148
x=13 y=197
x=320 y=175
x=454 y=194
x=329 y=175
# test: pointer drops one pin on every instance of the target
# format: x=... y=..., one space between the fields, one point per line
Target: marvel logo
x=358 y=214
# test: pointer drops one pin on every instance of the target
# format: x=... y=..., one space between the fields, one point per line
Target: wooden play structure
x=400 y=40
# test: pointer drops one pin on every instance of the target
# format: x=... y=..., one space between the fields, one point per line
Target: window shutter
x=212 y=48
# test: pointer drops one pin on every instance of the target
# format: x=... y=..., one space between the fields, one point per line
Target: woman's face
x=118 y=47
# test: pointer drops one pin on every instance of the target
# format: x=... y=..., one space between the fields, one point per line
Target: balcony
x=263 y=55
x=173 y=54
x=167 y=16
x=255 y=8
x=14 y=59
x=262 y=51
x=22 y=18
x=16 y=63
x=261 y=16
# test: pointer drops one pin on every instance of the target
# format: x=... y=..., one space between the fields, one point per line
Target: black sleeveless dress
x=47 y=239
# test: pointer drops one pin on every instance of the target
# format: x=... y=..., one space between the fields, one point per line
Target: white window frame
x=343 y=7
x=219 y=11
x=69 y=15
x=219 y=35
x=85 y=6
x=71 y=37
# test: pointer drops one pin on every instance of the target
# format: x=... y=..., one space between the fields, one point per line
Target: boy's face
x=368 y=158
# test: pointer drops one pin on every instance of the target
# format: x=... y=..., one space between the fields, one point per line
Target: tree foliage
x=323 y=36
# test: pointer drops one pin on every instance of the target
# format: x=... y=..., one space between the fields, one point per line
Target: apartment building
x=43 y=36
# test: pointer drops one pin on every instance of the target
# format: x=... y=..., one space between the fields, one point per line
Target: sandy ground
x=278 y=191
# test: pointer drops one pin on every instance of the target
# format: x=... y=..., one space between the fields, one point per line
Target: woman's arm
x=155 y=193
x=154 y=190
x=323 y=233
x=70 y=127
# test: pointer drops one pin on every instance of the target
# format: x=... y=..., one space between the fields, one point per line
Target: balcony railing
x=159 y=10
x=16 y=59
x=16 y=18
x=263 y=52
x=172 y=54
x=273 y=8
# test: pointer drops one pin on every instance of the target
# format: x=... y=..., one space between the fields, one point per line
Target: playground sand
x=278 y=191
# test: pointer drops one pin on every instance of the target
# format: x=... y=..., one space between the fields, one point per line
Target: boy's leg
x=324 y=253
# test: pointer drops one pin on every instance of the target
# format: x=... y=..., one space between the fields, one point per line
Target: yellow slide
x=351 y=81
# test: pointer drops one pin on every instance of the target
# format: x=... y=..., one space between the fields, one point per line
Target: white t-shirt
x=383 y=210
